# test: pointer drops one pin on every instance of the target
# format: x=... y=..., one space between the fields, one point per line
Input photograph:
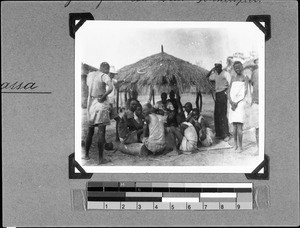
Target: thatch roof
x=85 y=69
x=250 y=64
x=164 y=70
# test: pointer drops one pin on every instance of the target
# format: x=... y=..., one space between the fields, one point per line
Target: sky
x=124 y=43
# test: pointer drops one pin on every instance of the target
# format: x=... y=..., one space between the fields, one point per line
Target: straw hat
x=113 y=70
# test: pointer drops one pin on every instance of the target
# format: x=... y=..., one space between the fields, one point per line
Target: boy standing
x=100 y=86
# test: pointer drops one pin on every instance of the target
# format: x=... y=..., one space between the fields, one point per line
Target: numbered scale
x=169 y=196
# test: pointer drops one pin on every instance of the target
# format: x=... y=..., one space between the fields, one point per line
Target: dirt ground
x=220 y=154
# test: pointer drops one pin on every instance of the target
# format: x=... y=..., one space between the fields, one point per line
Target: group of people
x=168 y=119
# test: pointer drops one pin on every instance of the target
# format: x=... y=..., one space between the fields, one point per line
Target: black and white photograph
x=169 y=97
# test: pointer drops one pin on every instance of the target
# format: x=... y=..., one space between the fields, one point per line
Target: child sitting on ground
x=154 y=133
x=205 y=134
x=186 y=136
x=139 y=119
x=129 y=129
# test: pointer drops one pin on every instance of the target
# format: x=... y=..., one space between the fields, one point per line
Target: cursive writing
x=237 y=2
x=68 y=3
x=18 y=86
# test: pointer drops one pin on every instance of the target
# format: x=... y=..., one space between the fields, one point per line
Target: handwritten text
x=18 y=86
x=237 y=2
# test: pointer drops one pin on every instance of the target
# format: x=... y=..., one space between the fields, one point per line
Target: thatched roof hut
x=85 y=69
x=163 y=71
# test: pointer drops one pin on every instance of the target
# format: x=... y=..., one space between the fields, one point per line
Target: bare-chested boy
x=154 y=132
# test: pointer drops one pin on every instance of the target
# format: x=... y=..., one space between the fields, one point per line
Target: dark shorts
x=113 y=112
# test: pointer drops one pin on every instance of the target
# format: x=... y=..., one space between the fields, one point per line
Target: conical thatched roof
x=85 y=69
x=164 y=70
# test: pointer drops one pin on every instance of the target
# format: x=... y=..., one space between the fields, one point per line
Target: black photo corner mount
x=82 y=17
x=74 y=164
x=266 y=29
x=265 y=164
x=73 y=27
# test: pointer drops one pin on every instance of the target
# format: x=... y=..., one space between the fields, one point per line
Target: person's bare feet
x=104 y=161
x=234 y=147
x=239 y=150
x=226 y=139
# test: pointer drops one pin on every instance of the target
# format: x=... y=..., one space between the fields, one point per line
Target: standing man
x=221 y=78
x=98 y=108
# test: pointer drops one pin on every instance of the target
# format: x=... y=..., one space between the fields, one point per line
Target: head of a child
x=104 y=67
x=164 y=97
x=147 y=109
x=188 y=107
x=133 y=105
x=138 y=111
x=238 y=67
x=172 y=95
x=134 y=94
x=196 y=114
x=218 y=67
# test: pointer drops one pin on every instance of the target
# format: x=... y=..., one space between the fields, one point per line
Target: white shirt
x=111 y=96
x=97 y=82
x=190 y=132
x=222 y=80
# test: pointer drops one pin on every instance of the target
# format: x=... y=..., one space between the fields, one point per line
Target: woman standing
x=237 y=92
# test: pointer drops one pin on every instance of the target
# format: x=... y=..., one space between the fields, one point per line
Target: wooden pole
x=125 y=96
x=200 y=95
x=199 y=98
x=118 y=94
x=153 y=96
x=118 y=118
